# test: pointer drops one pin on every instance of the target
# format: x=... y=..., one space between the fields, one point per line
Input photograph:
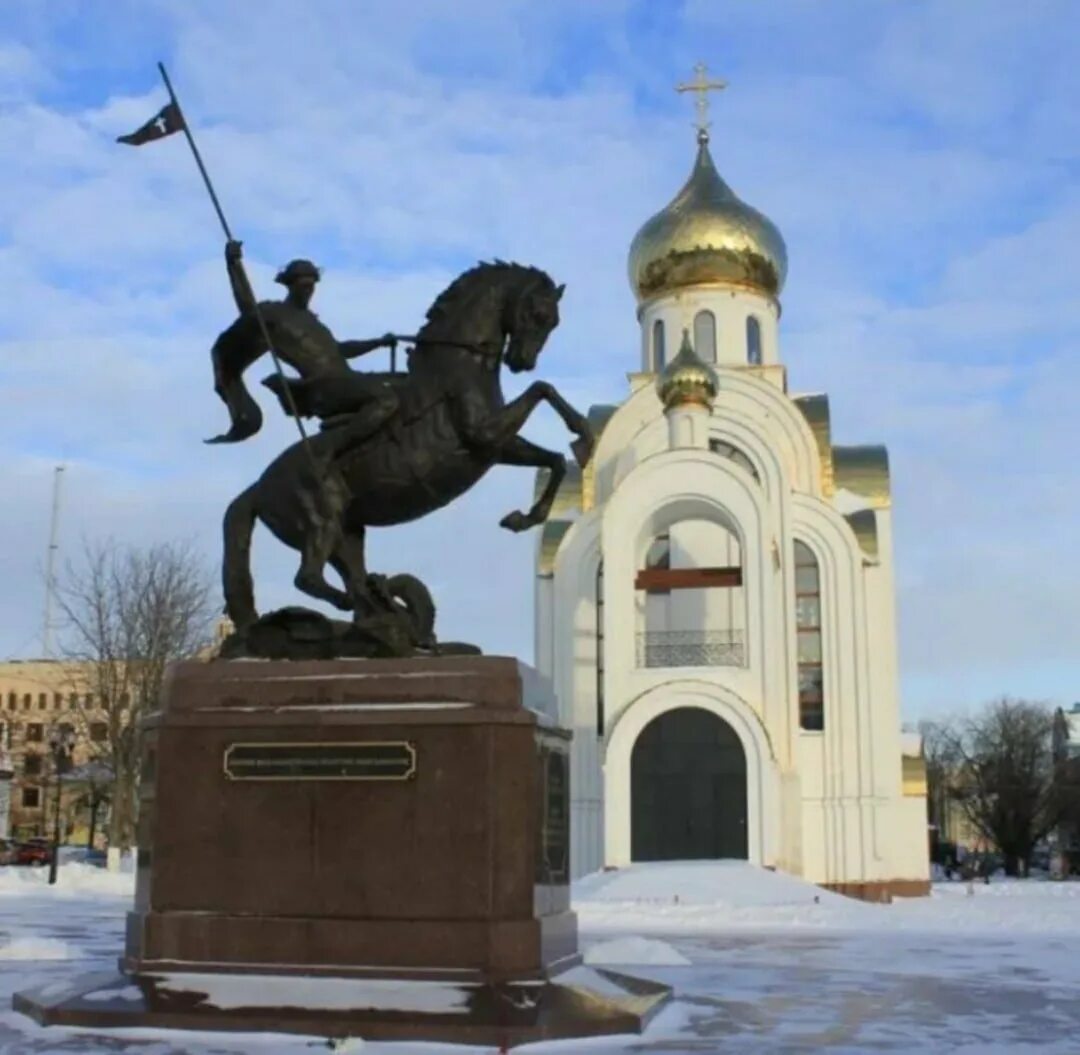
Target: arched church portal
x=687 y=789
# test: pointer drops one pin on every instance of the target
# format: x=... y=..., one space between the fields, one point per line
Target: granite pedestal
x=377 y=848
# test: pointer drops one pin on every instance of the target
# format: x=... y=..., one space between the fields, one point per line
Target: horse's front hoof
x=516 y=521
x=582 y=449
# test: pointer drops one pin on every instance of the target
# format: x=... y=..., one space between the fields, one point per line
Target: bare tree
x=1006 y=784
x=93 y=783
x=942 y=773
x=129 y=612
x=1067 y=779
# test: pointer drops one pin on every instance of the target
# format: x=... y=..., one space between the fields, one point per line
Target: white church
x=715 y=599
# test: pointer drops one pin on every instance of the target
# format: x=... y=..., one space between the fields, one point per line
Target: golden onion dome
x=687 y=379
x=707 y=235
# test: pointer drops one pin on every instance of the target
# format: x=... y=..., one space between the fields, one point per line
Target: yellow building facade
x=39 y=698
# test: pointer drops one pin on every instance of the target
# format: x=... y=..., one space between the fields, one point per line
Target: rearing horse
x=452 y=428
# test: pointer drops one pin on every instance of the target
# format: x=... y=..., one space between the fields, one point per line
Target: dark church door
x=687 y=789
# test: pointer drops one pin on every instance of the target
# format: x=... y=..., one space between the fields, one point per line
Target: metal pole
x=50 y=564
x=55 y=857
x=228 y=234
x=195 y=151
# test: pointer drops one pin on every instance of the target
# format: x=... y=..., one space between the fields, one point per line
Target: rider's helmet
x=295 y=269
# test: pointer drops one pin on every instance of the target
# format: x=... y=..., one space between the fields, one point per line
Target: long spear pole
x=228 y=235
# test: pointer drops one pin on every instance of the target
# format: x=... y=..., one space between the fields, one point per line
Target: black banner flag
x=167 y=121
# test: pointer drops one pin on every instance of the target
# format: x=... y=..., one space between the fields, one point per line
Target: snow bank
x=713 y=896
x=680 y=897
x=737 y=884
x=634 y=951
x=1031 y=906
x=72 y=880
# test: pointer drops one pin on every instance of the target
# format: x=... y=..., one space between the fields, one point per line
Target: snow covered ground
x=760 y=962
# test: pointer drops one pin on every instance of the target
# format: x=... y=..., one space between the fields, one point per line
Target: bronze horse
x=452 y=427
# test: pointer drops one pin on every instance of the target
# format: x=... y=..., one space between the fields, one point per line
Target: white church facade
x=715 y=599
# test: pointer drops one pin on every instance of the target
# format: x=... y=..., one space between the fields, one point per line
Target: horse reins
x=466 y=345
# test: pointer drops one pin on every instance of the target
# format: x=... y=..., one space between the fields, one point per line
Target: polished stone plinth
x=355 y=825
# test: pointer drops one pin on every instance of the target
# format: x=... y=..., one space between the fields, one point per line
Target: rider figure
x=351 y=405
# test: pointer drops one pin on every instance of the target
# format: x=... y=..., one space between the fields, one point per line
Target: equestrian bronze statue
x=390 y=448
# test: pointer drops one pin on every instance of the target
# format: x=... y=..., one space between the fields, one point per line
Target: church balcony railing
x=691 y=648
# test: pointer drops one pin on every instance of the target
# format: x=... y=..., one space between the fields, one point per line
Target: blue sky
x=920 y=159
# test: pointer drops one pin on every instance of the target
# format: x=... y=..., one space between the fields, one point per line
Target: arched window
x=690 y=604
x=753 y=340
x=729 y=450
x=659 y=357
x=808 y=628
x=705 y=336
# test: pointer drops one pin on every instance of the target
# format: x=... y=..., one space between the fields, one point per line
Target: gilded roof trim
x=567 y=497
x=815 y=409
x=864 y=524
x=914 y=776
x=864 y=471
x=719 y=286
x=599 y=415
x=551 y=536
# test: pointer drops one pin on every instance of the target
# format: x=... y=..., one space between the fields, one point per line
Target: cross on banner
x=702 y=86
x=168 y=120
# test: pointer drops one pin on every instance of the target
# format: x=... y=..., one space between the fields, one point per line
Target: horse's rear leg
x=322 y=538
x=322 y=504
x=311 y=578
x=349 y=562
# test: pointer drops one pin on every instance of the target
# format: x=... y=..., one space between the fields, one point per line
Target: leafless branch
x=128 y=612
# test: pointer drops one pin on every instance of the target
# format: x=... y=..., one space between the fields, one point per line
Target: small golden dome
x=707 y=235
x=687 y=379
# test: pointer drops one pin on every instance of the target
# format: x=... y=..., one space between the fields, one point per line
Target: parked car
x=7 y=852
x=83 y=855
x=34 y=852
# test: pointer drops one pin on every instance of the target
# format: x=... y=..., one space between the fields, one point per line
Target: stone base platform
x=579 y=1002
x=355 y=848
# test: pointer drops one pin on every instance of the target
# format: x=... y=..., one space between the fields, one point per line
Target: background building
x=36 y=698
x=715 y=599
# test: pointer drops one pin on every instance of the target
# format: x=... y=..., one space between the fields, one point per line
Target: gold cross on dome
x=702 y=86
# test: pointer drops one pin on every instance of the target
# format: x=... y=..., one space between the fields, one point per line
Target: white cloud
x=918 y=159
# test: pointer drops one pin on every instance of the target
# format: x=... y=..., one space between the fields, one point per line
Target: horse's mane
x=462 y=285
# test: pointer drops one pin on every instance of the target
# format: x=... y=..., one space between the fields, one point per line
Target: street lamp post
x=60 y=744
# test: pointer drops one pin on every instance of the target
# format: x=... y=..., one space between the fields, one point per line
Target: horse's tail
x=236 y=568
